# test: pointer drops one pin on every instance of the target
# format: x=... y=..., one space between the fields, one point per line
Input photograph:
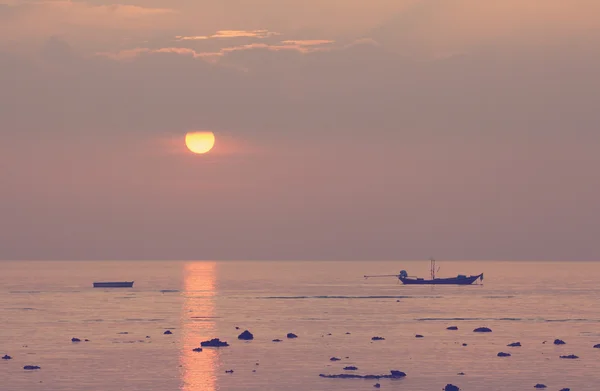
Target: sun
x=200 y=142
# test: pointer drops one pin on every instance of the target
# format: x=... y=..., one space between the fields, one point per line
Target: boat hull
x=442 y=281
x=114 y=284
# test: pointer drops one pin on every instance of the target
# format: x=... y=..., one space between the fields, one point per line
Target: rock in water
x=597 y=346
x=571 y=356
x=246 y=335
x=452 y=328
x=377 y=339
x=214 y=343
x=292 y=335
x=502 y=354
x=31 y=367
x=75 y=340
x=6 y=357
x=168 y=332
x=277 y=340
x=197 y=349
x=559 y=342
x=451 y=387
x=418 y=336
x=514 y=344
x=350 y=368
x=539 y=385
x=482 y=330
x=376 y=385
x=334 y=359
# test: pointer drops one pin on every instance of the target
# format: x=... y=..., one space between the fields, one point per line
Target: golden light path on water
x=199 y=368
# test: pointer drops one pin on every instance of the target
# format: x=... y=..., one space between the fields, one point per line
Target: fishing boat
x=113 y=284
x=461 y=279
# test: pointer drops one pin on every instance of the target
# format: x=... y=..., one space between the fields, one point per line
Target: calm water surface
x=44 y=304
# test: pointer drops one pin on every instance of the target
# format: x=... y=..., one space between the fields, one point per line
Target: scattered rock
x=514 y=344
x=482 y=330
x=334 y=359
x=31 y=367
x=246 y=335
x=377 y=385
x=597 y=346
x=461 y=373
x=6 y=357
x=350 y=368
x=559 y=342
x=147 y=336
x=377 y=339
x=292 y=335
x=168 y=332
x=214 y=343
x=347 y=333
x=570 y=356
x=229 y=371
x=464 y=344
x=539 y=385
x=502 y=354
x=418 y=336
x=124 y=332
x=197 y=349
x=86 y=340
x=393 y=375
x=565 y=389
x=451 y=328
x=75 y=340
x=328 y=333
x=276 y=340
x=451 y=387
x=237 y=328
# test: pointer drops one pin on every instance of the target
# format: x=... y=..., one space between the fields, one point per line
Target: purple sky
x=345 y=129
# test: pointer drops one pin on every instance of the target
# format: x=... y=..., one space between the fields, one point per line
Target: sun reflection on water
x=198 y=368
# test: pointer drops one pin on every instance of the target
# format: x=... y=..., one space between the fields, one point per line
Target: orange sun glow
x=200 y=142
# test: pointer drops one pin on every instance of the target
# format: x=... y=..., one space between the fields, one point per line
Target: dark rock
x=482 y=330
x=347 y=333
x=461 y=373
x=31 y=367
x=246 y=335
x=502 y=354
x=237 y=328
x=377 y=385
x=168 y=332
x=350 y=368
x=6 y=357
x=254 y=370
x=147 y=336
x=377 y=339
x=539 y=385
x=418 y=336
x=229 y=371
x=328 y=333
x=452 y=328
x=75 y=340
x=214 y=343
x=197 y=349
x=464 y=344
x=565 y=389
x=393 y=375
x=451 y=387
x=514 y=344
x=276 y=340
x=597 y=346
x=559 y=342
x=86 y=340
x=334 y=359
x=292 y=335
x=570 y=356
x=124 y=332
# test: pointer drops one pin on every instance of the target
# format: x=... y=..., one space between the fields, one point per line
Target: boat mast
x=432 y=268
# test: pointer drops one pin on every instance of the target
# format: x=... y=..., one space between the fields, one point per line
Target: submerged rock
x=418 y=336
x=168 y=332
x=6 y=357
x=197 y=349
x=451 y=328
x=482 y=330
x=597 y=346
x=514 y=344
x=75 y=340
x=277 y=340
x=539 y=385
x=246 y=335
x=350 y=368
x=31 y=367
x=214 y=343
x=377 y=339
x=571 y=356
x=502 y=354
x=292 y=335
x=461 y=373
x=565 y=389
x=229 y=371
x=376 y=385
x=464 y=344
x=559 y=342
x=451 y=387
x=334 y=359
x=393 y=375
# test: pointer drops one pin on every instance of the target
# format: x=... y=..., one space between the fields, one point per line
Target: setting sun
x=200 y=142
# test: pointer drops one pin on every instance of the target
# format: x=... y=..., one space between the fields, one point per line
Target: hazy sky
x=346 y=129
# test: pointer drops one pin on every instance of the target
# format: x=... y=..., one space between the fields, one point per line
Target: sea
x=330 y=306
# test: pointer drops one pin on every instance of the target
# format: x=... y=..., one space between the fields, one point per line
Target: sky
x=345 y=129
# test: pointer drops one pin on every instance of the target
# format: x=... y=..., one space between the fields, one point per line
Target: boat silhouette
x=461 y=279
